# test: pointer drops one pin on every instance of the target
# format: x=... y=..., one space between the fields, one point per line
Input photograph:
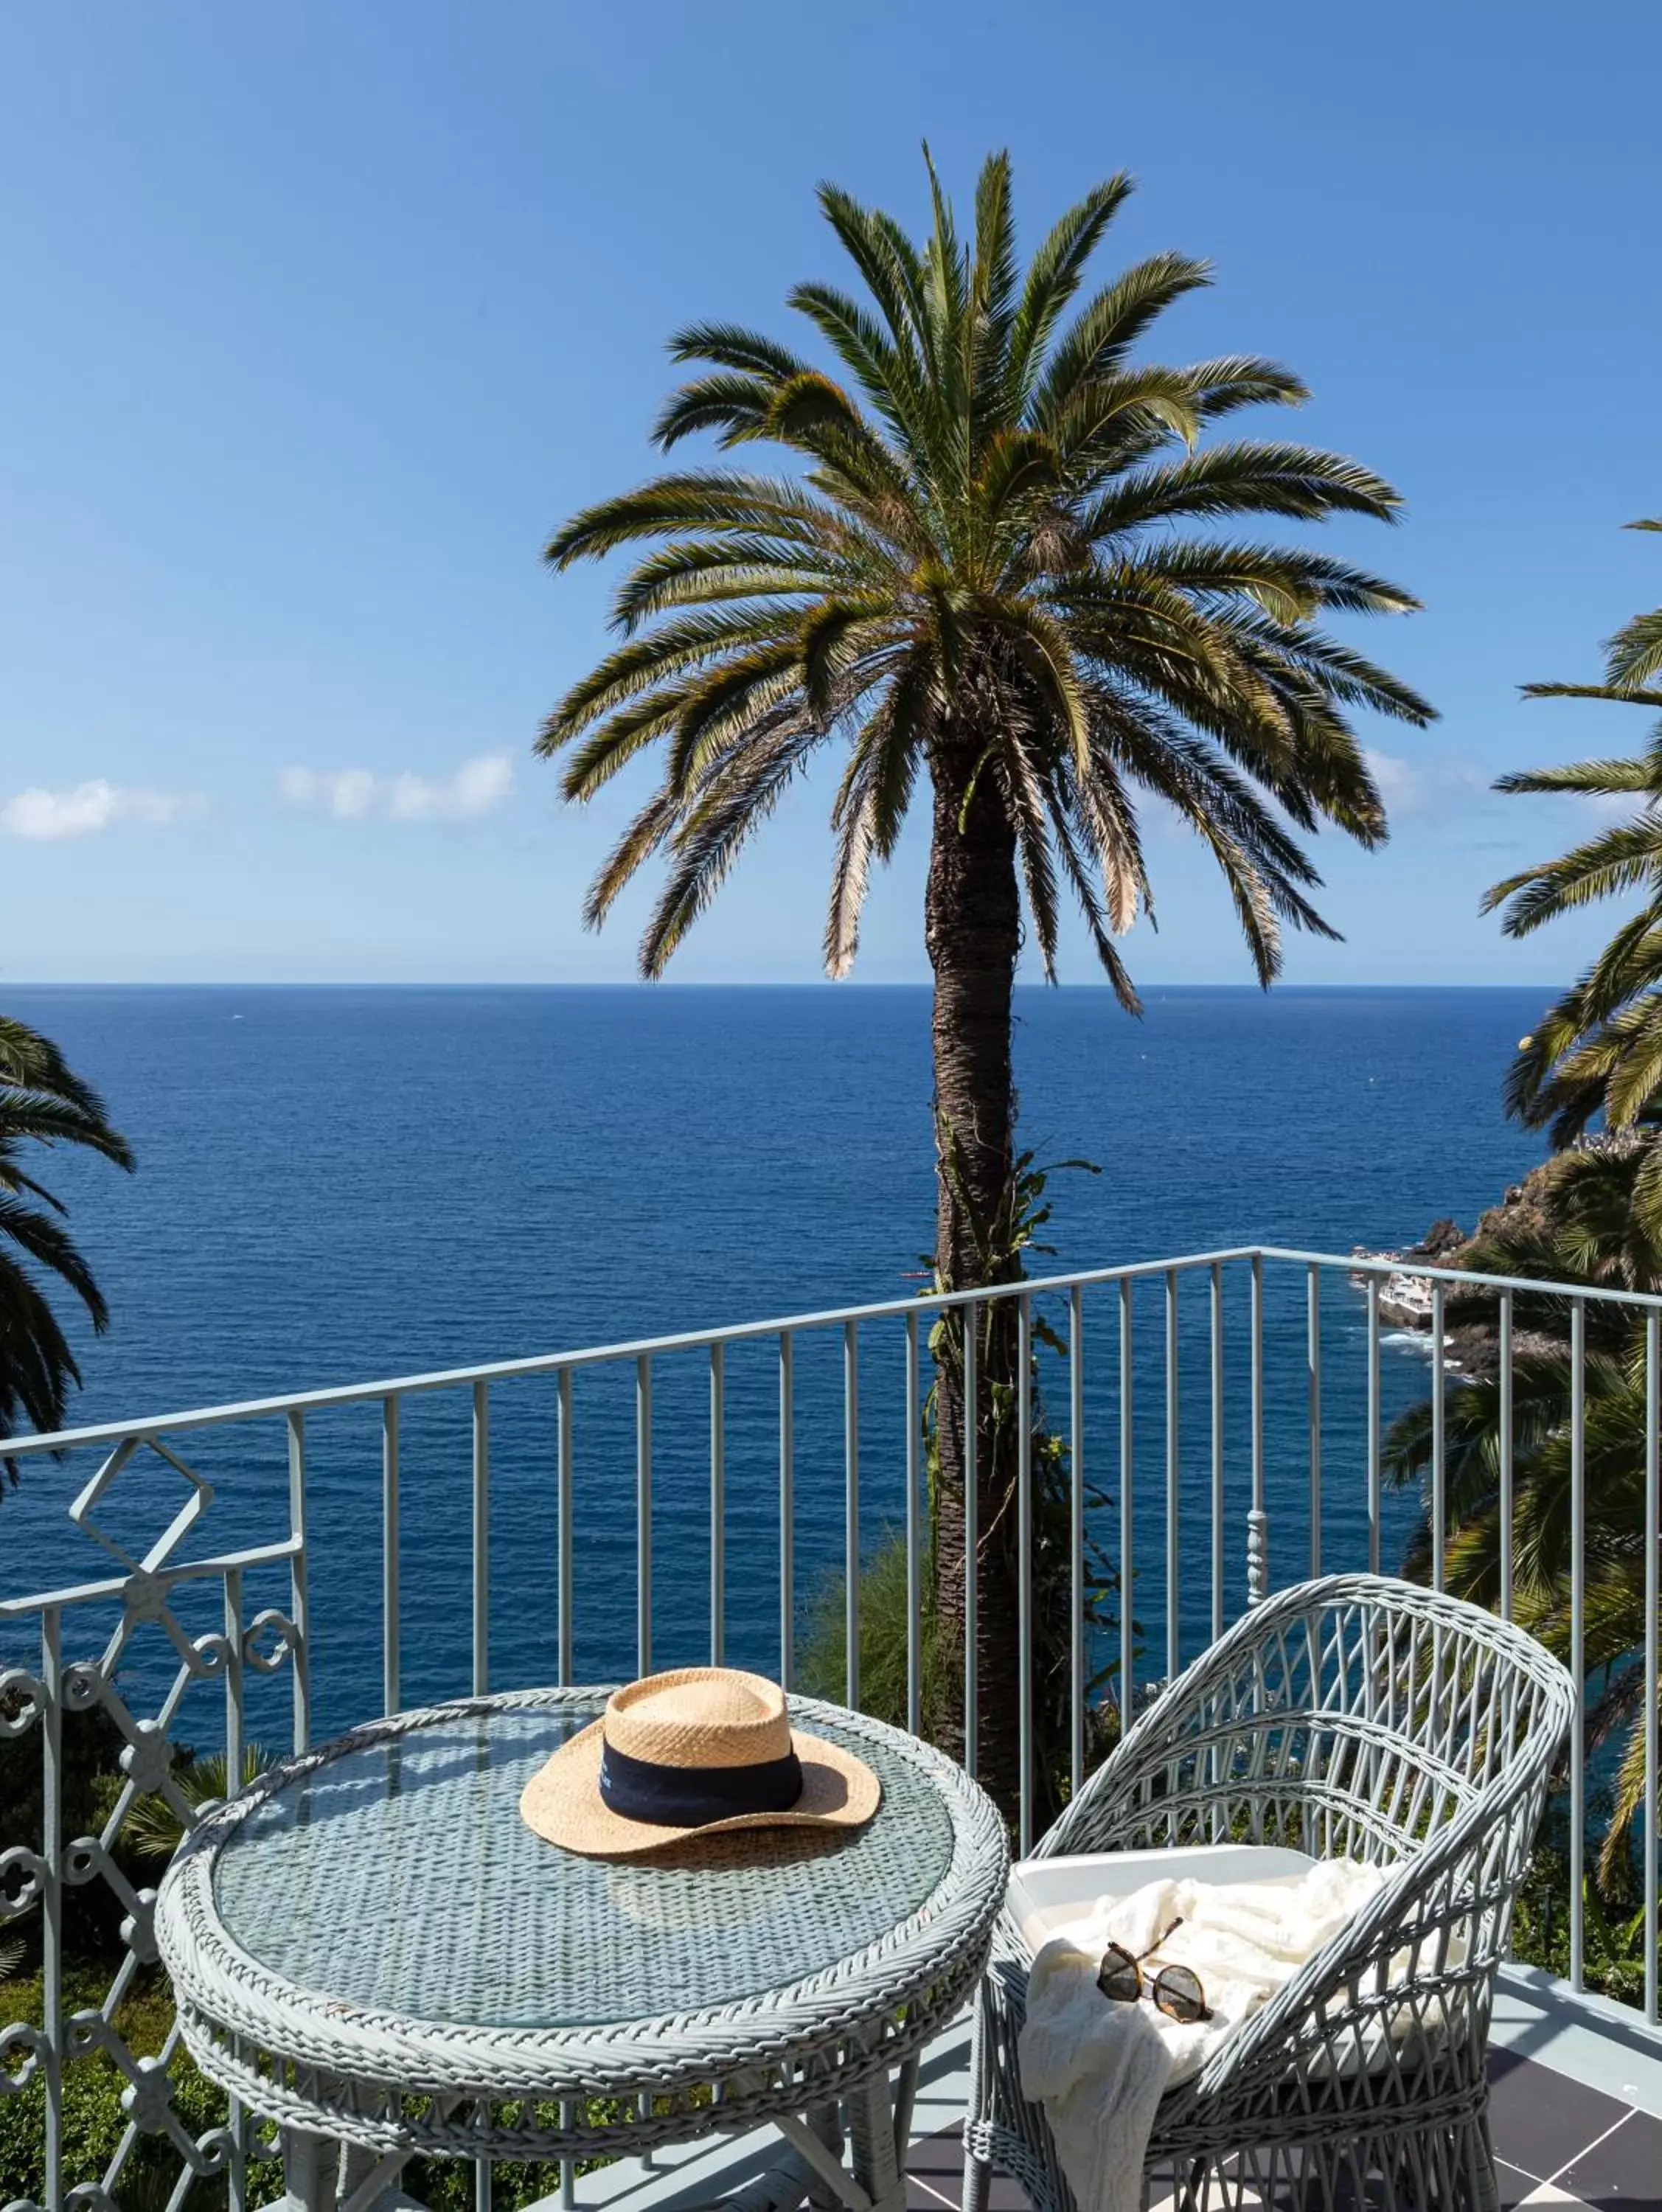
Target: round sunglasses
x=1176 y=1990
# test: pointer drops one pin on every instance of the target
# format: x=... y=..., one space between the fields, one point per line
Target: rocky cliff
x=1405 y=1295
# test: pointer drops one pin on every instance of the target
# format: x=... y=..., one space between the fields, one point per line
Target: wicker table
x=371 y=1950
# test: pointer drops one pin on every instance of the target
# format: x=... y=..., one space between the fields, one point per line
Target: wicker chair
x=1349 y=1717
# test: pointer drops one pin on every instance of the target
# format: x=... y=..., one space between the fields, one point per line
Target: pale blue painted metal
x=275 y=1639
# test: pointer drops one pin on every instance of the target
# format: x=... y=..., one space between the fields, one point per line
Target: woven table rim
x=216 y=1977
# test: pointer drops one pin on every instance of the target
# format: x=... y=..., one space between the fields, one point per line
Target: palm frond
x=43 y=1104
x=1618 y=859
x=976 y=547
x=1053 y=278
x=1297 y=483
x=1110 y=324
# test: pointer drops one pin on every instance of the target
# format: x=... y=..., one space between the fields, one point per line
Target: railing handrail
x=1365 y=1263
x=1170 y=1468
x=553 y=1363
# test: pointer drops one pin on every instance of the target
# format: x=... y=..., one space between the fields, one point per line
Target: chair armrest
x=1447 y=1904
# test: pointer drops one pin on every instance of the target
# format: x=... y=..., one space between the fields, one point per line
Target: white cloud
x=1402 y=787
x=350 y=794
x=83 y=809
x=1443 y=783
x=474 y=788
x=347 y=792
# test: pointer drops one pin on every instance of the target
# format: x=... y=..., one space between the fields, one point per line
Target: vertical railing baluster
x=1508 y=1503
x=1653 y=1808
x=1215 y=1311
x=643 y=1514
x=566 y=1530
x=971 y=1421
x=1578 y=1632
x=1076 y=1537
x=481 y=1538
x=1445 y=1500
x=1375 y=1488
x=1024 y=1572
x=1313 y=1390
x=718 y=1505
x=1218 y=1553
x=1439 y=1439
x=236 y=2178
x=301 y=1658
x=914 y=1538
x=52 y=1899
x=787 y=1510
x=851 y=1507
x=235 y=1702
x=1128 y=1697
x=1258 y=1519
x=391 y=1692
x=1174 y=1484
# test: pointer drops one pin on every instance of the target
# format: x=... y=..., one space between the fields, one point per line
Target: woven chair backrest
x=1353 y=1716
x=1360 y=1718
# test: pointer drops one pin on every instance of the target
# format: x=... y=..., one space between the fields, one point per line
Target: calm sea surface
x=339 y=1186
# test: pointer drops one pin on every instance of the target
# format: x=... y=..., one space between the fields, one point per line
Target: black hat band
x=690 y=1796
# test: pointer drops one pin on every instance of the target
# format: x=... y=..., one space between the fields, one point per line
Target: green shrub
x=885 y=1611
x=93 y=2122
x=1612 y=1927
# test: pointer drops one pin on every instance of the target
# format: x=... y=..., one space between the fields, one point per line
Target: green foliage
x=1598 y=1049
x=42 y=1103
x=92 y=1744
x=984 y=541
x=885 y=1598
x=885 y=1613
x=93 y=2122
x=1596 y=1052
x=1589 y=1233
x=985 y=566
x=822 y=1658
x=446 y=2184
x=1613 y=1930
x=154 y=1829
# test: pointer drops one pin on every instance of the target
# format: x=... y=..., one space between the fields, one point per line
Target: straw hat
x=697 y=1751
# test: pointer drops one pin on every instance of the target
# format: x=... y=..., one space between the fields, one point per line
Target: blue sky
x=320 y=317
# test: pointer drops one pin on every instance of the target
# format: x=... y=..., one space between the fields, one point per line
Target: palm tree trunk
x=973 y=933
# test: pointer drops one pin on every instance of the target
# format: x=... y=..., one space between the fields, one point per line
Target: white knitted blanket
x=1100 y=2068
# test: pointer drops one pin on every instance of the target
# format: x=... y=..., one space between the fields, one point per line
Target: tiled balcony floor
x=1557 y=2142
x=1576 y=2115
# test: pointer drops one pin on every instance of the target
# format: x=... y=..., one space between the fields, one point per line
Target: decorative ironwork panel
x=91 y=1778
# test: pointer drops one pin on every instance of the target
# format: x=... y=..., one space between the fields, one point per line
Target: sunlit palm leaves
x=42 y=1103
x=1592 y=1237
x=1599 y=1048
x=979 y=541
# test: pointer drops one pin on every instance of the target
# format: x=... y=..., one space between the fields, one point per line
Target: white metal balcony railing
x=781 y=1466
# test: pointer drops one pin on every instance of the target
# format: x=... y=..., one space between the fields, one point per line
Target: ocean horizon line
x=755 y=983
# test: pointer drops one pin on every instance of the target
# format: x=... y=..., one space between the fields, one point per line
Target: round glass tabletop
x=399 y=1877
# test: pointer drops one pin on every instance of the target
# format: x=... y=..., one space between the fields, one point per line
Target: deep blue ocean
x=342 y=1185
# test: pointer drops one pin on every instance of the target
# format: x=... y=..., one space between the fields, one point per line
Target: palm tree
x=1592 y=1234
x=41 y=1103
x=971 y=575
x=1599 y=1048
